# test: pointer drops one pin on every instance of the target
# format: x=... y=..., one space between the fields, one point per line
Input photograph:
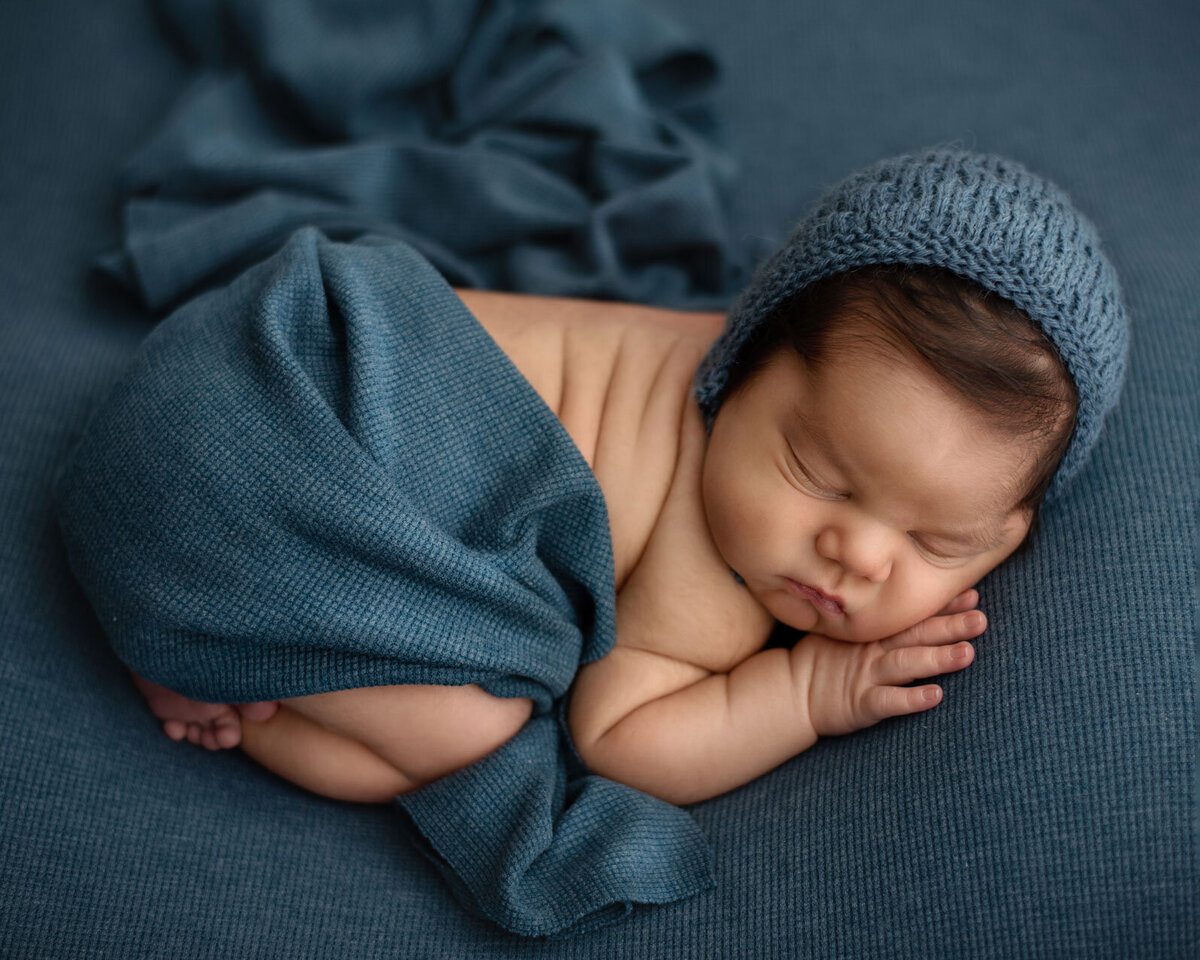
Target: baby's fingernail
x=933 y=695
x=973 y=621
x=960 y=652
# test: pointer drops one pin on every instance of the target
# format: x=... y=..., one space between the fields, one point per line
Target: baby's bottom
x=368 y=744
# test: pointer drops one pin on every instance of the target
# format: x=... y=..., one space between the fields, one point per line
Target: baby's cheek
x=903 y=610
x=866 y=627
x=725 y=509
x=936 y=598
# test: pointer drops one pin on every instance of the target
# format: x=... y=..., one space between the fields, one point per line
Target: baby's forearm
x=714 y=735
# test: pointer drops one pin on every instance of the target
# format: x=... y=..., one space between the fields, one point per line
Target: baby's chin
x=810 y=621
x=865 y=629
x=847 y=628
x=865 y=626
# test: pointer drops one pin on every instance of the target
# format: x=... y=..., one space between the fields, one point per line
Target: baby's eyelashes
x=811 y=484
x=929 y=550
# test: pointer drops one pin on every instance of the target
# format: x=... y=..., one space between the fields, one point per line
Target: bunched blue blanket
x=559 y=147
x=320 y=472
x=327 y=475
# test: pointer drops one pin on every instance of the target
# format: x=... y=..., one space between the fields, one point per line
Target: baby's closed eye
x=938 y=552
x=810 y=481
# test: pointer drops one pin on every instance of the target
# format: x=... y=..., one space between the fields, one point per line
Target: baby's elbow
x=587 y=728
x=620 y=755
x=594 y=753
x=586 y=748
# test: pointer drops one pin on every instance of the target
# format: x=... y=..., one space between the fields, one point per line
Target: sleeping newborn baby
x=927 y=360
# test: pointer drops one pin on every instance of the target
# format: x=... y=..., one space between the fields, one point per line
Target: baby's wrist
x=802 y=664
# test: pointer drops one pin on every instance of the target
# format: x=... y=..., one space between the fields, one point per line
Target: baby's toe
x=175 y=729
x=227 y=732
x=208 y=739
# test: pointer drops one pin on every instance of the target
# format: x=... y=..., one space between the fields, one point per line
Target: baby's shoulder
x=592 y=362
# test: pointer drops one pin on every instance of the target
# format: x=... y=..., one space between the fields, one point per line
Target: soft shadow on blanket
x=325 y=474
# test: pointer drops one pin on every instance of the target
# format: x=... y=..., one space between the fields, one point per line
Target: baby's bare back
x=618 y=377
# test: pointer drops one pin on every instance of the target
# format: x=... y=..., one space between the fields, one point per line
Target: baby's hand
x=855 y=685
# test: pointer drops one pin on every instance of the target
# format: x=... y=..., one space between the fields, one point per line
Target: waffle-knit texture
x=327 y=475
x=983 y=217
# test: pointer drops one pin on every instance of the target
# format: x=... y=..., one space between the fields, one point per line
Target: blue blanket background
x=1047 y=809
x=325 y=474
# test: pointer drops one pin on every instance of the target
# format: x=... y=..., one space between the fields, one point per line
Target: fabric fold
x=498 y=135
x=327 y=475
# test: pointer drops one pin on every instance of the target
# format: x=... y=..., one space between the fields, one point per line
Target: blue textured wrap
x=327 y=475
x=1047 y=809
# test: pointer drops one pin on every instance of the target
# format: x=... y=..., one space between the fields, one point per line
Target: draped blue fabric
x=557 y=146
x=327 y=475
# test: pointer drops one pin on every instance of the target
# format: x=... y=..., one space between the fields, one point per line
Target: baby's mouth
x=829 y=605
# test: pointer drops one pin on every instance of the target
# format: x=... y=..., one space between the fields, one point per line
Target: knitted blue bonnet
x=980 y=216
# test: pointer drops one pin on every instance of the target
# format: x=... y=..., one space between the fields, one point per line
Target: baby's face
x=858 y=497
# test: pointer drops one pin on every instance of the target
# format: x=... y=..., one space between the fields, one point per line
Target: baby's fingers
x=882 y=702
x=939 y=630
x=912 y=663
x=967 y=600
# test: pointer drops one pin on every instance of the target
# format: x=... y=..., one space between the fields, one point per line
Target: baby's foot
x=215 y=726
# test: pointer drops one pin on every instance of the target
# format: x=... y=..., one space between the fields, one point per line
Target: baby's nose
x=861 y=552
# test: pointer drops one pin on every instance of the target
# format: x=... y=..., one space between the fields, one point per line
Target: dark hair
x=980 y=344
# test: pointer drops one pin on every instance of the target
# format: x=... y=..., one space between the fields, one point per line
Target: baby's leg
x=371 y=743
x=304 y=752
x=424 y=730
x=365 y=745
x=215 y=726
